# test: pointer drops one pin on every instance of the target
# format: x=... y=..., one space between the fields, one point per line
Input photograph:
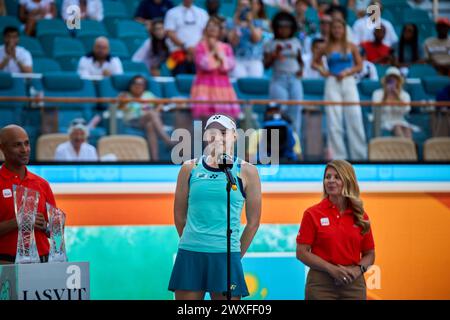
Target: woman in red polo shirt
x=335 y=239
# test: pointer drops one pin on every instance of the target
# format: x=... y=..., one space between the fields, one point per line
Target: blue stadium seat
x=10 y=112
x=32 y=45
x=134 y=67
x=8 y=21
x=421 y=70
x=114 y=11
x=381 y=69
x=12 y=7
x=91 y=29
x=47 y=30
x=253 y=88
x=119 y=49
x=130 y=29
x=133 y=44
x=313 y=89
x=69 y=84
x=41 y=65
x=179 y=87
x=432 y=85
x=366 y=89
x=416 y=16
x=67 y=51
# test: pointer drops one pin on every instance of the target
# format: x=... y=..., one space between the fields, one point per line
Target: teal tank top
x=206 y=224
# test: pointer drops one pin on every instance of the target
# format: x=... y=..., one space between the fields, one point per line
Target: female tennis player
x=200 y=213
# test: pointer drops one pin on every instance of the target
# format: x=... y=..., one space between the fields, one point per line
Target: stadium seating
x=421 y=71
x=41 y=65
x=437 y=149
x=67 y=51
x=119 y=49
x=47 y=30
x=47 y=144
x=32 y=45
x=8 y=21
x=11 y=112
x=392 y=149
x=432 y=85
x=130 y=29
x=68 y=84
x=124 y=147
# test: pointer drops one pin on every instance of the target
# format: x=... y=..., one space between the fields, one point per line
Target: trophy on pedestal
x=57 y=220
x=25 y=205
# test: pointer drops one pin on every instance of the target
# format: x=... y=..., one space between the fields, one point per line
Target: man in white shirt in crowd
x=184 y=25
x=89 y=9
x=99 y=62
x=13 y=58
x=76 y=149
x=363 y=28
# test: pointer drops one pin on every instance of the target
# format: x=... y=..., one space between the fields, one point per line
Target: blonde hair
x=350 y=191
x=332 y=40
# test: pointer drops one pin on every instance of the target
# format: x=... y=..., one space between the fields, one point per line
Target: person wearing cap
x=335 y=238
x=437 y=49
x=76 y=149
x=15 y=145
x=393 y=117
x=200 y=214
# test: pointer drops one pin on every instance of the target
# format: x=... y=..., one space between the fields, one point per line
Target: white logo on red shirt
x=7 y=193
x=324 y=222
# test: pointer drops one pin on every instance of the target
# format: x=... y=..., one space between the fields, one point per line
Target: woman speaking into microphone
x=335 y=239
x=200 y=213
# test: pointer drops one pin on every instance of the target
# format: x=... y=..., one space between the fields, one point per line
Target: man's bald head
x=101 y=48
x=15 y=145
x=11 y=130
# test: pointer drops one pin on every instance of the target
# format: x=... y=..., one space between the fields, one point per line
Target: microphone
x=225 y=163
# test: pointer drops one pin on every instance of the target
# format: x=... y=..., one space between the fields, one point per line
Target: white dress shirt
x=94 y=9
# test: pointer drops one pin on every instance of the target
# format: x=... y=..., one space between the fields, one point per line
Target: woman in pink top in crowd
x=213 y=60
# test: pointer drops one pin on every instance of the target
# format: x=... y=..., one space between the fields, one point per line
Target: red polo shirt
x=334 y=236
x=8 y=241
x=376 y=52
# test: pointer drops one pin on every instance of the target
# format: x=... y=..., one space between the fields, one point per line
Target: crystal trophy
x=25 y=205
x=57 y=220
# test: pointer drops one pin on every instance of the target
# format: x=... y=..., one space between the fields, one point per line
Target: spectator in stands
x=359 y=6
x=368 y=71
x=154 y=50
x=31 y=11
x=99 y=62
x=14 y=58
x=408 y=50
x=283 y=5
x=363 y=29
x=338 y=12
x=324 y=27
x=284 y=55
x=213 y=59
x=437 y=49
x=144 y=116
x=344 y=61
x=213 y=9
x=89 y=9
x=307 y=24
x=420 y=4
x=246 y=37
x=148 y=10
x=318 y=45
x=392 y=116
x=324 y=5
x=76 y=149
x=376 y=50
x=184 y=25
x=2 y=8
x=440 y=118
x=289 y=148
